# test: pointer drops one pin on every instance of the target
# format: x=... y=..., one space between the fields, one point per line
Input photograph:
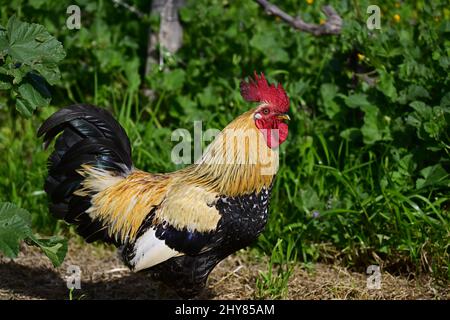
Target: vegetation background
x=364 y=175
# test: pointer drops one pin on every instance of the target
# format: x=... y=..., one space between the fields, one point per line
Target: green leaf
x=375 y=127
x=423 y=110
x=16 y=70
x=357 y=100
x=207 y=97
x=416 y=92
x=36 y=4
x=370 y=131
x=55 y=248
x=24 y=108
x=32 y=45
x=132 y=73
x=386 y=85
x=174 y=80
x=49 y=71
x=14 y=226
x=445 y=101
x=351 y=134
x=187 y=14
x=5 y=85
x=310 y=199
x=3 y=42
x=433 y=176
x=269 y=46
x=414 y=120
x=328 y=92
x=30 y=99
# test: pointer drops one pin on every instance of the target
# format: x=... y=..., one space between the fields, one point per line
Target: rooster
x=178 y=226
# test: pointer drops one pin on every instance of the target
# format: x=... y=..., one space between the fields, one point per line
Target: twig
x=129 y=7
x=116 y=270
x=332 y=26
x=234 y=272
x=119 y=269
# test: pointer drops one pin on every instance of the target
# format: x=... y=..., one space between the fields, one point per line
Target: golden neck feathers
x=237 y=162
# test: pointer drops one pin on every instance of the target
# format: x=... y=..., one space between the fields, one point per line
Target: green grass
x=364 y=216
x=273 y=283
x=23 y=168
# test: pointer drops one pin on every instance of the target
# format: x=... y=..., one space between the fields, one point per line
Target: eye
x=265 y=111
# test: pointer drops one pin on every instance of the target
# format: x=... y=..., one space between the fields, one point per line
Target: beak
x=283 y=116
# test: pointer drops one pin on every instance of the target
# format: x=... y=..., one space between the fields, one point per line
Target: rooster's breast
x=243 y=218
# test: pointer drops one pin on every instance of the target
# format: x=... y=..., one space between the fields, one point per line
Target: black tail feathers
x=90 y=135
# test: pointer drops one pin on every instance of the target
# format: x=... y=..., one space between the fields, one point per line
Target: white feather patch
x=150 y=251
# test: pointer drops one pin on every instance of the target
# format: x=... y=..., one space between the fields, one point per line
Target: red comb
x=258 y=90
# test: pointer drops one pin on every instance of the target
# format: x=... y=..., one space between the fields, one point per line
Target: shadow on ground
x=43 y=283
x=103 y=276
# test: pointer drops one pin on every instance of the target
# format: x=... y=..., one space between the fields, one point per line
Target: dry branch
x=129 y=7
x=333 y=25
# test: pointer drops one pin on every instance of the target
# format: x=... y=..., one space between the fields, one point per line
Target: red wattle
x=274 y=132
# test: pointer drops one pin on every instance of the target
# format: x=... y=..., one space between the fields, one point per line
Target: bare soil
x=32 y=276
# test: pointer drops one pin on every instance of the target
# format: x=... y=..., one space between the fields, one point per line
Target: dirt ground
x=31 y=276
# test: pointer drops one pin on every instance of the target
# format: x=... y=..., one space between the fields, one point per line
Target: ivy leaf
x=14 y=226
x=55 y=248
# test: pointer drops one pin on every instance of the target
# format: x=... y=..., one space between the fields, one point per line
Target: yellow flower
x=397 y=18
x=446 y=13
x=322 y=21
x=309 y=1
x=361 y=57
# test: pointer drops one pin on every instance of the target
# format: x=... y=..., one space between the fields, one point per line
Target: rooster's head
x=271 y=115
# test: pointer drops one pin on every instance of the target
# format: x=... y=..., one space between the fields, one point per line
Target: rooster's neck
x=238 y=161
